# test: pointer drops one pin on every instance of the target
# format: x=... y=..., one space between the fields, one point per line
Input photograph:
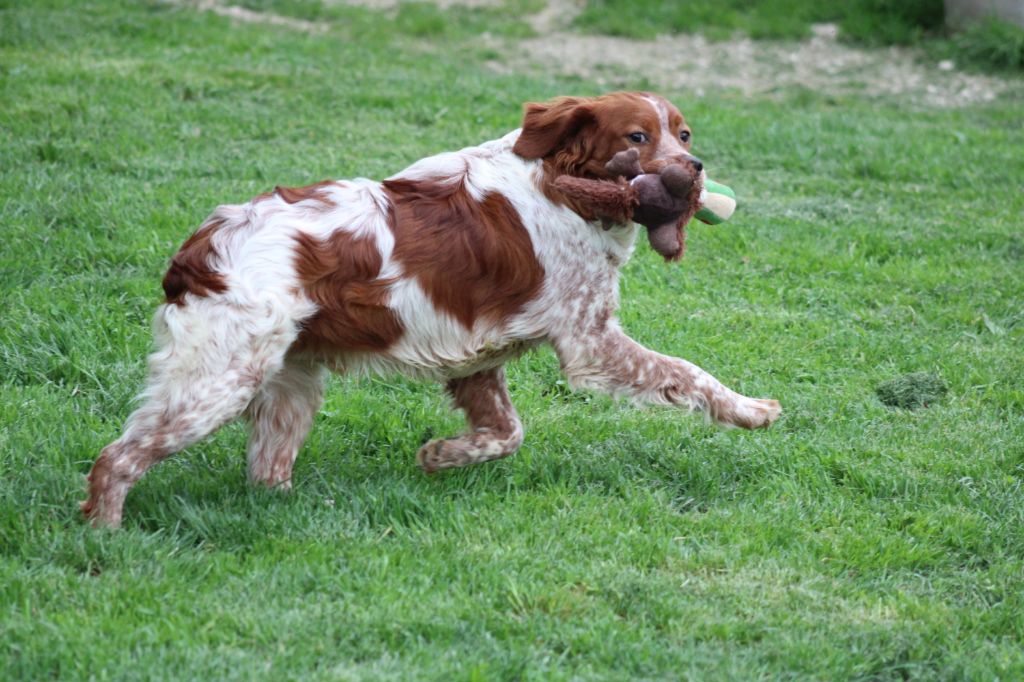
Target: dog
x=444 y=271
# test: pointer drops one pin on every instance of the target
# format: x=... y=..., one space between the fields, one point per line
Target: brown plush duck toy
x=662 y=202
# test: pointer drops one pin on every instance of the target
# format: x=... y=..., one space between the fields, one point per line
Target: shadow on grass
x=377 y=487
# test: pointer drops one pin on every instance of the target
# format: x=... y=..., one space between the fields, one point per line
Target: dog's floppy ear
x=550 y=126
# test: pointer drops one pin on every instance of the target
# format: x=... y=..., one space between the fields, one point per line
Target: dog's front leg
x=608 y=360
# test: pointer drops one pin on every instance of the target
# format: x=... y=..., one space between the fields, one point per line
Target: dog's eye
x=684 y=135
x=639 y=138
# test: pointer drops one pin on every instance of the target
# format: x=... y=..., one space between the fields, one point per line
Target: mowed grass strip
x=850 y=541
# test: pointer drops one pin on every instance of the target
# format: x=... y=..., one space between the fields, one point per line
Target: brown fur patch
x=316 y=191
x=473 y=258
x=341 y=275
x=190 y=271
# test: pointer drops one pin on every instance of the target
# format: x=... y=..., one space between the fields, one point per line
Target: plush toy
x=662 y=202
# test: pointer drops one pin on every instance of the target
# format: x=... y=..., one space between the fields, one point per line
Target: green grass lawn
x=876 y=21
x=850 y=541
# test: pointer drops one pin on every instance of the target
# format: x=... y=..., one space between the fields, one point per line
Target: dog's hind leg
x=281 y=415
x=495 y=429
x=212 y=358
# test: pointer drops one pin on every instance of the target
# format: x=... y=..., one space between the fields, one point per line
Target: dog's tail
x=191 y=270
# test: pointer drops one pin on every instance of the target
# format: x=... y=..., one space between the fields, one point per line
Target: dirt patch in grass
x=251 y=16
x=391 y=5
x=692 y=63
x=556 y=15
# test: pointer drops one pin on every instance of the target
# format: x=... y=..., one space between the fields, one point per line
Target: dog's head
x=579 y=135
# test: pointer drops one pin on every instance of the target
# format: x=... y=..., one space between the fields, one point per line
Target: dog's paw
x=432 y=457
x=450 y=453
x=482 y=445
x=98 y=516
x=763 y=412
x=750 y=413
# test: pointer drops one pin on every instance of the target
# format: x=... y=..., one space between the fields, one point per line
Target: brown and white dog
x=444 y=271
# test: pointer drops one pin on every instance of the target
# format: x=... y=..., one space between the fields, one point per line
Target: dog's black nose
x=698 y=165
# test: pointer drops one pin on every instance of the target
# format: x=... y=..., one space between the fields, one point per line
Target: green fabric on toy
x=662 y=202
x=719 y=203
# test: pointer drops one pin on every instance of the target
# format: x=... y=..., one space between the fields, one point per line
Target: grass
x=871 y=21
x=994 y=43
x=851 y=541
